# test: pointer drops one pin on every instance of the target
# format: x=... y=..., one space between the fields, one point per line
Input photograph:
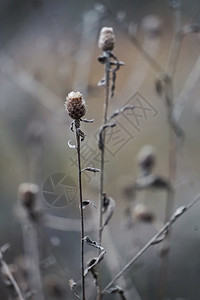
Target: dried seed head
x=27 y=194
x=75 y=105
x=151 y=25
x=141 y=213
x=146 y=158
x=106 y=39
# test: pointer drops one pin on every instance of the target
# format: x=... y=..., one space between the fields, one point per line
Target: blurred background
x=49 y=48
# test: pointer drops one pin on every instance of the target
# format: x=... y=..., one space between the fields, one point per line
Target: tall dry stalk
x=106 y=44
x=28 y=196
x=81 y=211
x=75 y=106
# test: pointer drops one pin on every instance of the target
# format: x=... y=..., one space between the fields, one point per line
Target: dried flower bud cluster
x=146 y=158
x=106 y=39
x=27 y=194
x=75 y=105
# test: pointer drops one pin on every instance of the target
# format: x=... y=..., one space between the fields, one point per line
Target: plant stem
x=12 y=280
x=32 y=255
x=165 y=227
x=107 y=96
x=170 y=194
x=81 y=212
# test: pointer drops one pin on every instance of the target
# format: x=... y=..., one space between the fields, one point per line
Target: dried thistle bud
x=141 y=213
x=106 y=39
x=146 y=158
x=27 y=194
x=75 y=105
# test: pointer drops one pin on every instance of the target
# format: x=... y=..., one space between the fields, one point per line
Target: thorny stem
x=81 y=212
x=107 y=95
x=179 y=212
x=7 y=271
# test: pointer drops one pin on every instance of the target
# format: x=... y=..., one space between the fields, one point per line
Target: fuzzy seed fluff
x=106 y=39
x=75 y=105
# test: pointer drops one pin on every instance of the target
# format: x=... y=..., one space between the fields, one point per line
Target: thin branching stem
x=178 y=213
x=107 y=96
x=78 y=146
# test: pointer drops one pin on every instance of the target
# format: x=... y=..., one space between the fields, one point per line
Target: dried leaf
x=101 y=82
x=114 y=71
x=95 y=170
x=72 y=126
x=120 y=111
x=70 y=145
x=87 y=121
x=101 y=134
x=81 y=134
x=102 y=59
x=91 y=268
x=161 y=238
x=85 y=203
x=106 y=201
x=72 y=285
x=92 y=243
x=92 y=264
x=121 y=63
x=109 y=210
x=178 y=213
x=152 y=181
x=117 y=290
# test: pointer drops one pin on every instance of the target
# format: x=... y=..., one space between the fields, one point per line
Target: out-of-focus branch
x=178 y=213
x=6 y=271
x=30 y=85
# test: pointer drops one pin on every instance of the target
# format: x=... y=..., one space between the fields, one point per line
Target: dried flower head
x=27 y=194
x=75 y=105
x=106 y=39
x=146 y=158
x=141 y=213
